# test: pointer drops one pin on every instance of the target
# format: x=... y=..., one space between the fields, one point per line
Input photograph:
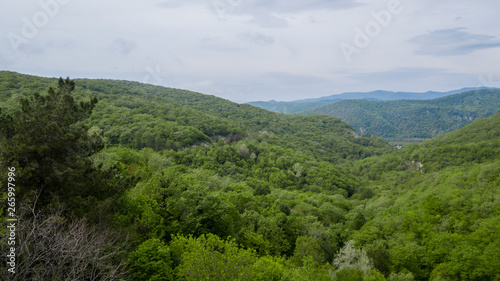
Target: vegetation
x=290 y=107
x=137 y=116
x=435 y=208
x=302 y=105
x=409 y=119
x=149 y=183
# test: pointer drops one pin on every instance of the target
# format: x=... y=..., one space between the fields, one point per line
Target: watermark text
x=32 y=26
x=11 y=220
x=373 y=28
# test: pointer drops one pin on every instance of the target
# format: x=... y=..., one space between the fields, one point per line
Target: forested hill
x=408 y=119
x=436 y=206
x=125 y=181
x=305 y=104
x=290 y=107
x=140 y=115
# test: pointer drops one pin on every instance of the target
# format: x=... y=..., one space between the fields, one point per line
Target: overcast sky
x=246 y=50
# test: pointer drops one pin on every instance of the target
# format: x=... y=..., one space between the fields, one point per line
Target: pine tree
x=48 y=144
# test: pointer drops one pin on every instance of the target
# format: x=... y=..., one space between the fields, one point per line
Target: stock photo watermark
x=160 y=69
x=155 y=74
x=489 y=81
x=372 y=29
x=11 y=221
x=32 y=25
x=222 y=7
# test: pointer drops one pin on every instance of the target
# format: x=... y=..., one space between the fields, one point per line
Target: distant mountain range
x=413 y=119
x=305 y=104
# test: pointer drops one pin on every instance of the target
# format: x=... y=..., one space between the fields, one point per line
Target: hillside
x=140 y=115
x=408 y=119
x=436 y=206
x=305 y=104
x=289 y=107
x=138 y=182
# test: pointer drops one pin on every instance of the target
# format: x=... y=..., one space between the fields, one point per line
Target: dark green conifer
x=48 y=144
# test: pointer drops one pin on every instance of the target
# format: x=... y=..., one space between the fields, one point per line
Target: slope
x=289 y=107
x=435 y=206
x=406 y=119
x=305 y=104
x=253 y=208
x=139 y=115
x=268 y=201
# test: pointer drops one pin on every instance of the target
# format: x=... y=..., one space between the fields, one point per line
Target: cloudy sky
x=246 y=50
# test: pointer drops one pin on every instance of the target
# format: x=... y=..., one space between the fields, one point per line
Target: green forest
x=379 y=95
x=401 y=120
x=118 y=180
x=290 y=107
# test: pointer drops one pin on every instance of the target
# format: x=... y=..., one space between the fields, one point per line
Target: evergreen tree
x=48 y=144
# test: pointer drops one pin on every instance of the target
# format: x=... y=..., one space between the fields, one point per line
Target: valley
x=401 y=121
x=185 y=186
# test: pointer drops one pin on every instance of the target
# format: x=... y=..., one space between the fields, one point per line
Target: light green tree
x=151 y=261
x=350 y=256
x=210 y=258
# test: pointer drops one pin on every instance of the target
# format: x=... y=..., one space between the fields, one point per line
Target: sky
x=249 y=50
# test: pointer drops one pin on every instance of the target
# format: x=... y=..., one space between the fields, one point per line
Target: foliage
x=289 y=107
x=351 y=257
x=48 y=144
x=205 y=188
x=209 y=258
x=151 y=261
x=409 y=119
x=138 y=116
x=429 y=219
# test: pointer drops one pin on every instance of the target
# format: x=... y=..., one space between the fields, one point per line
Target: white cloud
x=258 y=38
x=452 y=42
x=123 y=46
x=264 y=49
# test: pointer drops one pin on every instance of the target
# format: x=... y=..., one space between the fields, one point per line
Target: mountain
x=414 y=119
x=435 y=205
x=288 y=107
x=305 y=104
x=140 y=115
x=140 y=182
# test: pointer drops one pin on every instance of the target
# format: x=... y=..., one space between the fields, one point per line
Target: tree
x=210 y=258
x=151 y=261
x=269 y=268
x=351 y=257
x=306 y=246
x=50 y=247
x=6 y=129
x=48 y=144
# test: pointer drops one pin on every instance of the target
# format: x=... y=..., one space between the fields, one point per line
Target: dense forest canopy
x=379 y=95
x=414 y=119
x=138 y=115
x=150 y=183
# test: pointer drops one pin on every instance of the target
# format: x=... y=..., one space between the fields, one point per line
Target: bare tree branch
x=49 y=247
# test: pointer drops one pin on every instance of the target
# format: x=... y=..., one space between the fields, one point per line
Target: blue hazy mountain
x=379 y=95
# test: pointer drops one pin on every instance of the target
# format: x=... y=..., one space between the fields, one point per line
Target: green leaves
x=151 y=261
x=48 y=144
x=407 y=120
x=210 y=258
x=204 y=198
